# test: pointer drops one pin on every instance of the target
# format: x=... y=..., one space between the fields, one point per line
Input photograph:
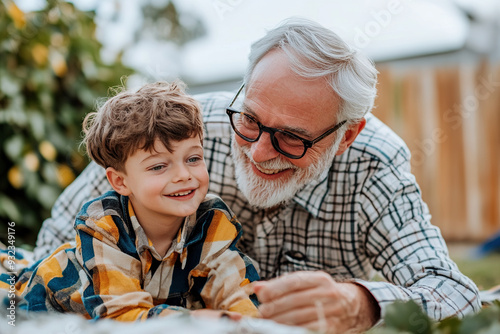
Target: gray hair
x=316 y=52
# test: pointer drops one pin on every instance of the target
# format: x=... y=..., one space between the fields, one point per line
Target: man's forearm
x=439 y=297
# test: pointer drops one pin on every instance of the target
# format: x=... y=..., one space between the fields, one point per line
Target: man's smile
x=270 y=174
x=269 y=171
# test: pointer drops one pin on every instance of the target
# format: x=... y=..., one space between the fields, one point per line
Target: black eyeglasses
x=285 y=142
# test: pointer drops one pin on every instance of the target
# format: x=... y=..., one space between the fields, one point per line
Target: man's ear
x=351 y=134
x=117 y=181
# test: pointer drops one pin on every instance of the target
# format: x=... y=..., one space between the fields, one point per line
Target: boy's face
x=166 y=186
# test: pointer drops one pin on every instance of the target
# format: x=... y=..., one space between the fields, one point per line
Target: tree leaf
x=9 y=208
x=37 y=125
x=14 y=147
x=47 y=195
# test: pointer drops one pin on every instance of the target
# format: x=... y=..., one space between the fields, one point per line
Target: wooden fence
x=450 y=118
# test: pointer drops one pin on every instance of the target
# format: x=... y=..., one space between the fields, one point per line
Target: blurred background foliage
x=50 y=76
x=51 y=73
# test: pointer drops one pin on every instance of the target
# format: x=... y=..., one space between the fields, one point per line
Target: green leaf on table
x=493 y=329
x=409 y=317
x=476 y=322
x=383 y=330
x=449 y=325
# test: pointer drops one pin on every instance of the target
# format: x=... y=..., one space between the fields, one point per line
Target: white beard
x=269 y=193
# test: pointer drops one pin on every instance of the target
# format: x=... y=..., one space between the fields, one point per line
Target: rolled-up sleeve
x=409 y=251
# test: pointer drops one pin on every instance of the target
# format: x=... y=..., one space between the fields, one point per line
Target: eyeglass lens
x=249 y=128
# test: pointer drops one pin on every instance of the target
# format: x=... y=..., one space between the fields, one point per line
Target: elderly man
x=323 y=189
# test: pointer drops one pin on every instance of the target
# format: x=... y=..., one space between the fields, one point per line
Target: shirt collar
x=142 y=242
x=312 y=196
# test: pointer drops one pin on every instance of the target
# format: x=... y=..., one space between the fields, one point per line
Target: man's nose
x=263 y=149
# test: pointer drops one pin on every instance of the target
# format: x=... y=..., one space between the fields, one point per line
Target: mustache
x=277 y=163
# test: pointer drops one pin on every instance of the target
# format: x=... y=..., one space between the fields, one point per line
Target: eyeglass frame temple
x=236 y=96
x=329 y=132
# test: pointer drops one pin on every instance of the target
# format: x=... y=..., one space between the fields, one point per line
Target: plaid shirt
x=115 y=272
x=365 y=214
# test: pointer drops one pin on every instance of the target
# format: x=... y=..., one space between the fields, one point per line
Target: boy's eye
x=194 y=159
x=159 y=167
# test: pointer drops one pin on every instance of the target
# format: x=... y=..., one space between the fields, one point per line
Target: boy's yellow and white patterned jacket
x=113 y=271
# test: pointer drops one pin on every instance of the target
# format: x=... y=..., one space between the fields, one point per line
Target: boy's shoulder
x=213 y=202
x=108 y=204
x=106 y=217
x=215 y=221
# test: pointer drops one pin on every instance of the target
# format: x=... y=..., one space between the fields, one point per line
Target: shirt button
x=296 y=255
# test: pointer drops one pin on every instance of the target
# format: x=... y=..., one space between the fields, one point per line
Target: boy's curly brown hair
x=134 y=120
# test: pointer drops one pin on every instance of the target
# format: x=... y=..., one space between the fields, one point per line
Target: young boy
x=157 y=244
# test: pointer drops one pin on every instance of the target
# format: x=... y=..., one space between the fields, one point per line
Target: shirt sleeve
x=408 y=250
x=226 y=269
x=58 y=229
x=114 y=269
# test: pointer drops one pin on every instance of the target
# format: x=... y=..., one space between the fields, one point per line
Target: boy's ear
x=117 y=181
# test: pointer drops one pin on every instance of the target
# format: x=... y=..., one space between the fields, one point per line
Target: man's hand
x=315 y=301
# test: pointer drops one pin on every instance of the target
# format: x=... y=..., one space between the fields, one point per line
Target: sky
x=383 y=29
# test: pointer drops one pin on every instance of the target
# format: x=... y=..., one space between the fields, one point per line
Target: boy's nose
x=181 y=173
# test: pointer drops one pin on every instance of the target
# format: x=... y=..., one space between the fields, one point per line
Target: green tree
x=51 y=74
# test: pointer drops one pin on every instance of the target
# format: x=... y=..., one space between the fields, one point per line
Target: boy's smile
x=183 y=194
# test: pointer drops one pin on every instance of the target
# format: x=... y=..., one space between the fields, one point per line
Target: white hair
x=316 y=52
